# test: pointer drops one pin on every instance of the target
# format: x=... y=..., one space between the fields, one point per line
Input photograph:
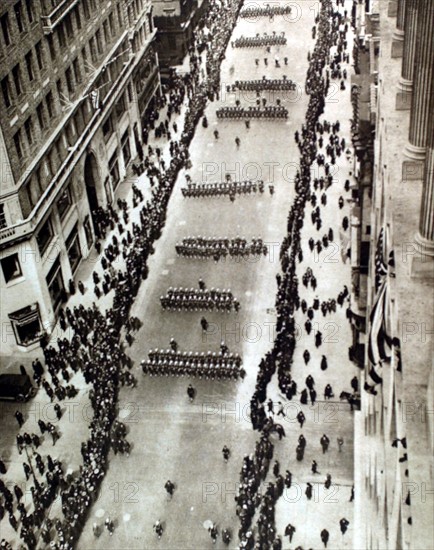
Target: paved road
x=173 y=439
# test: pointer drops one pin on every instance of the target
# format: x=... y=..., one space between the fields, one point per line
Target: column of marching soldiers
x=221 y=363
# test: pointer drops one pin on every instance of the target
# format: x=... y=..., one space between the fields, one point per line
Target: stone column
x=423 y=262
x=405 y=85
x=398 y=35
x=421 y=110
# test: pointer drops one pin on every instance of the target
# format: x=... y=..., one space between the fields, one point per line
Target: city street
x=174 y=439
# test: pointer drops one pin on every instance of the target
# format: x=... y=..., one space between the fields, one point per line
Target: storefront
x=26 y=324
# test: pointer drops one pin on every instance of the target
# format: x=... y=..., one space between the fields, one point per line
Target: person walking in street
x=325 y=441
x=325 y=537
x=20 y=418
x=191 y=392
x=344 y=525
x=170 y=488
x=226 y=453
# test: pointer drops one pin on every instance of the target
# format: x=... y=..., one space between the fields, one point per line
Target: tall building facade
x=76 y=80
x=176 y=21
x=392 y=251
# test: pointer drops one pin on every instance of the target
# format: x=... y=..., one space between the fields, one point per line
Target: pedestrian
x=213 y=533
x=340 y=441
x=204 y=324
x=324 y=443
x=325 y=537
x=308 y=491
x=20 y=418
x=301 y=418
x=109 y=526
x=237 y=142
x=191 y=393
x=216 y=134
x=226 y=453
x=173 y=344
x=314 y=467
x=2 y=467
x=288 y=479
x=328 y=481
x=58 y=411
x=170 y=488
x=276 y=468
x=81 y=287
x=344 y=525
x=158 y=528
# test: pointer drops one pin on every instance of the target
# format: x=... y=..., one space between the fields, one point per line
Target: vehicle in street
x=16 y=387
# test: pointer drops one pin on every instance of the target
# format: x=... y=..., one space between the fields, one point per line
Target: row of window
x=10 y=264
x=47 y=108
x=96 y=46
x=23 y=17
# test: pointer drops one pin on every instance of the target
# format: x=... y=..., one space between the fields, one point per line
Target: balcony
x=52 y=19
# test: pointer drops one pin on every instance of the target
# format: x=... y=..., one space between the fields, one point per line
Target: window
x=6 y=89
x=11 y=267
x=3 y=222
x=105 y=28
x=73 y=248
x=88 y=232
x=29 y=9
x=126 y=151
x=78 y=17
x=29 y=65
x=19 y=16
x=60 y=93
x=28 y=126
x=130 y=92
x=107 y=128
x=69 y=80
x=92 y=49
x=40 y=113
x=114 y=168
x=76 y=68
x=120 y=106
x=44 y=236
x=64 y=203
x=39 y=55
x=16 y=73
x=51 y=47
x=50 y=104
x=55 y=284
x=68 y=26
x=85 y=9
x=26 y=324
x=18 y=141
x=84 y=57
x=6 y=29
x=111 y=24
x=98 y=41
x=61 y=35
x=119 y=12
